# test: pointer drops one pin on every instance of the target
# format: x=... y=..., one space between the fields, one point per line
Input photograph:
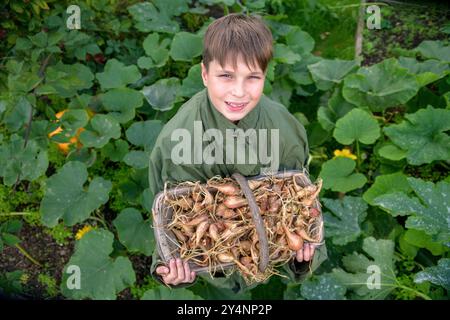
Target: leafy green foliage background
x=127 y=72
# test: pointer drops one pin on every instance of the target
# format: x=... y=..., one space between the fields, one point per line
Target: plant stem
x=26 y=254
x=418 y=293
x=15 y=214
x=99 y=220
x=358 y=159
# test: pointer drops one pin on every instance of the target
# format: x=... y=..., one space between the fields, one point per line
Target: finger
x=187 y=272
x=162 y=270
x=313 y=249
x=180 y=271
x=173 y=272
x=300 y=255
x=306 y=251
x=193 y=275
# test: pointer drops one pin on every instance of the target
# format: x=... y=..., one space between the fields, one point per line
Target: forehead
x=239 y=66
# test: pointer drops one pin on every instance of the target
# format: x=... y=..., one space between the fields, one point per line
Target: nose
x=238 y=89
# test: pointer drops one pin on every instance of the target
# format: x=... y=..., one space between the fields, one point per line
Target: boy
x=236 y=52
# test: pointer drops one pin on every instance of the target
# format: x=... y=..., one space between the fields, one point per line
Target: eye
x=255 y=77
x=225 y=75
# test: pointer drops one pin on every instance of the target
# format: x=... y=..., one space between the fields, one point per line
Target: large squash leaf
x=342 y=225
x=336 y=108
x=337 y=175
x=385 y=184
x=328 y=73
x=427 y=71
x=439 y=275
x=163 y=293
x=117 y=75
x=66 y=198
x=20 y=163
x=323 y=287
x=162 y=94
x=121 y=103
x=135 y=233
x=101 y=129
x=101 y=277
x=434 y=50
x=360 y=269
x=422 y=135
x=186 y=46
x=357 y=125
x=380 y=86
x=428 y=211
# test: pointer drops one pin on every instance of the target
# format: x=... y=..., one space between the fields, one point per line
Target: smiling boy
x=237 y=50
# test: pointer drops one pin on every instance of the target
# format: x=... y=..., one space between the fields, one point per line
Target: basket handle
x=259 y=224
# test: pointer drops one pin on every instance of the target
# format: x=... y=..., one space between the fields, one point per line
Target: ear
x=204 y=75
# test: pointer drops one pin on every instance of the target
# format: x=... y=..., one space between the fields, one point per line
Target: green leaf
x=11 y=226
x=137 y=159
x=186 y=46
x=380 y=86
x=299 y=71
x=392 y=152
x=300 y=41
x=337 y=175
x=115 y=150
x=283 y=54
x=73 y=119
x=135 y=233
x=21 y=163
x=421 y=240
x=156 y=52
x=162 y=94
x=101 y=129
x=426 y=72
x=323 y=287
x=337 y=108
x=66 y=80
x=434 y=50
x=18 y=115
x=328 y=73
x=422 y=135
x=385 y=184
x=10 y=239
x=122 y=103
x=157 y=16
x=163 y=293
x=66 y=198
x=439 y=275
x=193 y=82
x=357 y=125
x=144 y=133
x=343 y=225
x=360 y=269
x=428 y=211
x=117 y=75
x=102 y=277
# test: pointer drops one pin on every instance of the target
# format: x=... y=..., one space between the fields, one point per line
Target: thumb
x=162 y=270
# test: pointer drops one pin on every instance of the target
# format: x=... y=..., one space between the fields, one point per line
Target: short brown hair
x=238 y=34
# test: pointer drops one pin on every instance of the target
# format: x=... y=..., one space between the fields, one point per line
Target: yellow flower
x=344 y=153
x=80 y=234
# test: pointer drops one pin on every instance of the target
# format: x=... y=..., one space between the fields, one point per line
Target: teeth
x=236 y=104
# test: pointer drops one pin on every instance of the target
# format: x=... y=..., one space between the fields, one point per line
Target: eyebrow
x=228 y=71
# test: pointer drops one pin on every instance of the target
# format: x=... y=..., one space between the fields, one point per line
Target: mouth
x=236 y=106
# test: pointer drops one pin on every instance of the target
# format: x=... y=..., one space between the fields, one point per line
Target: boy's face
x=233 y=92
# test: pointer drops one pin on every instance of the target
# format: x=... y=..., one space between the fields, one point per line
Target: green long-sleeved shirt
x=285 y=138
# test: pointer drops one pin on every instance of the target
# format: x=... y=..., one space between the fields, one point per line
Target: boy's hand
x=306 y=253
x=177 y=272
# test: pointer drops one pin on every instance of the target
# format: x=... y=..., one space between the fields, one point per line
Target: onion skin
x=214 y=232
x=228 y=189
x=225 y=257
x=201 y=229
x=197 y=220
x=234 y=202
x=313 y=212
x=295 y=242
